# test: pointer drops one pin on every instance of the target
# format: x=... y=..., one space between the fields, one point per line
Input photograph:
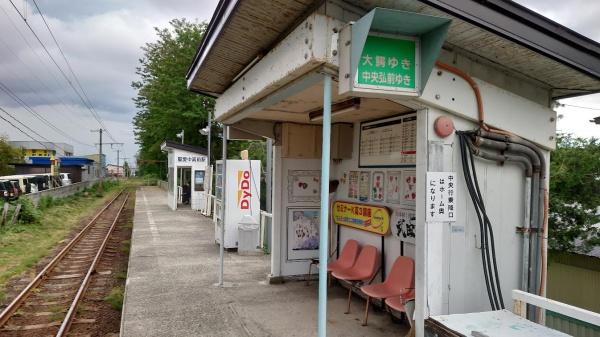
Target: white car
x=65 y=179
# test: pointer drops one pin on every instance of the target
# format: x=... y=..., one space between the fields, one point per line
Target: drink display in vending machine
x=242 y=197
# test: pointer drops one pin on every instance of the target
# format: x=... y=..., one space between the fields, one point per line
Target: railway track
x=47 y=306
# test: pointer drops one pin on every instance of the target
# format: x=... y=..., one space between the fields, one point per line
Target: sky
x=102 y=41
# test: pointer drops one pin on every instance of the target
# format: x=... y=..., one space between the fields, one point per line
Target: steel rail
x=9 y=311
x=66 y=323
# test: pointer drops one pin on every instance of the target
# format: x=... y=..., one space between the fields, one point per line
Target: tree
x=165 y=105
x=574 y=194
x=126 y=169
x=8 y=155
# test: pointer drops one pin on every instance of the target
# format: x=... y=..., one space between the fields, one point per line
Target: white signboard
x=404 y=223
x=441 y=197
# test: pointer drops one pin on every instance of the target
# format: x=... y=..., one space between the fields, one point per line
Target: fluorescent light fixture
x=352 y=104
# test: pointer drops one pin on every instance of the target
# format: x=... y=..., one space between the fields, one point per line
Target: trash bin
x=248 y=239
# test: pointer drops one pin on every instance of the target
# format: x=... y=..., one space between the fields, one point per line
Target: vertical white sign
x=441 y=197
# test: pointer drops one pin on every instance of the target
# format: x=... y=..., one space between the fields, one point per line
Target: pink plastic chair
x=398 y=303
x=344 y=261
x=399 y=283
x=365 y=268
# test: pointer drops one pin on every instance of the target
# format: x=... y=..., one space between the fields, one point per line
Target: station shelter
x=187 y=178
x=418 y=127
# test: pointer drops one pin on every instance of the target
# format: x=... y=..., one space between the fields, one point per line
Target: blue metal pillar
x=324 y=219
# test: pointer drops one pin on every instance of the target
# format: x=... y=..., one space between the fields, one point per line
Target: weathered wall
x=60 y=192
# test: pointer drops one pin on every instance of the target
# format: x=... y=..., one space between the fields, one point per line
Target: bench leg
x=364 y=323
x=349 y=299
x=308 y=278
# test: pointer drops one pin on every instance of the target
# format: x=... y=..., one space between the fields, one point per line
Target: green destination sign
x=388 y=63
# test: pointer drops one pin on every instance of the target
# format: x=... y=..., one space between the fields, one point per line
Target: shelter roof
x=500 y=31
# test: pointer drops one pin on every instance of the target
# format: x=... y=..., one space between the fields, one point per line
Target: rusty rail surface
x=12 y=308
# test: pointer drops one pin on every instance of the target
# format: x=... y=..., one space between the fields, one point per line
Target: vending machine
x=242 y=197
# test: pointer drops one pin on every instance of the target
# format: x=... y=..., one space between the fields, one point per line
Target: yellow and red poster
x=374 y=219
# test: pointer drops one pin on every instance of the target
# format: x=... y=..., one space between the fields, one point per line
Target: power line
x=25 y=133
x=39 y=80
x=71 y=69
x=36 y=114
x=86 y=104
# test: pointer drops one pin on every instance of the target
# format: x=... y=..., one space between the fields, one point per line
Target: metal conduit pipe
x=540 y=212
x=501 y=158
x=526 y=161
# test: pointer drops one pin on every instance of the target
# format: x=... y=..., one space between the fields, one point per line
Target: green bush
x=115 y=298
x=29 y=213
x=45 y=203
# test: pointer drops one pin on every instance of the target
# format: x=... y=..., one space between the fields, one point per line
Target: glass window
x=198 y=181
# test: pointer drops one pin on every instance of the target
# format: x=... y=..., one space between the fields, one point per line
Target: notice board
x=389 y=142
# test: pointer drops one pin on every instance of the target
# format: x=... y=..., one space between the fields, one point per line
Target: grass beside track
x=22 y=246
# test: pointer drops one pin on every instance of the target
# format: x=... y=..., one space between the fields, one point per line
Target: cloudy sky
x=102 y=40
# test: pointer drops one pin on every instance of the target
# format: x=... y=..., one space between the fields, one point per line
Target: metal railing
x=580 y=319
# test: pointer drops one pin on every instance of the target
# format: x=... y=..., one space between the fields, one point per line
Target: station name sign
x=388 y=63
x=389 y=53
x=374 y=219
x=191 y=159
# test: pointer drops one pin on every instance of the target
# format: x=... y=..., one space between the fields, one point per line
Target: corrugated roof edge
x=580 y=45
x=184 y=147
x=217 y=16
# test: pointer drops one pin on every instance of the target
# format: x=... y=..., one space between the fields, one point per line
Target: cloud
x=102 y=40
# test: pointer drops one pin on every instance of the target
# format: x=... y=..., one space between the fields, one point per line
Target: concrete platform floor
x=170 y=291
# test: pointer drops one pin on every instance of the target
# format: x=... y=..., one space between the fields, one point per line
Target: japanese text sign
x=374 y=219
x=388 y=63
x=191 y=159
x=441 y=197
x=404 y=222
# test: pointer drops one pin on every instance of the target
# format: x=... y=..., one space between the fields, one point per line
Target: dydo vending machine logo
x=244 y=194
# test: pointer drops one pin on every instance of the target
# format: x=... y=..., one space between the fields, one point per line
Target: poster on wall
x=389 y=142
x=403 y=224
x=303 y=233
x=393 y=187
x=409 y=187
x=304 y=185
x=377 y=189
x=370 y=218
x=353 y=185
x=364 y=185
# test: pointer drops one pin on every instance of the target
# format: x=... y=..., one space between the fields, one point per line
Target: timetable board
x=389 y=142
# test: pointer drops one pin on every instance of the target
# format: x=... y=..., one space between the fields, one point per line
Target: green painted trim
x=572 y=320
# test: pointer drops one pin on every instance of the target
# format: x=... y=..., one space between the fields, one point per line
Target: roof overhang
x=169 y=145
x=503 y=32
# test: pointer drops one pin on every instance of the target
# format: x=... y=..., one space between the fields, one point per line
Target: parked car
x=7 y=190
x=22 y=181
x=15 y=187
x=65 y=179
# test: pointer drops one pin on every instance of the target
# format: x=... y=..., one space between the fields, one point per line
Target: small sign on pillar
x=441 y=197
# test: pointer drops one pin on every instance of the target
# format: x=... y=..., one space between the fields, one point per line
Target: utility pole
x=101 y=177
x=118 y=162
x=111 y=146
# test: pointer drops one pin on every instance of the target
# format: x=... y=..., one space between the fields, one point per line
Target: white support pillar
x=223 y=205
x=324 y=218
